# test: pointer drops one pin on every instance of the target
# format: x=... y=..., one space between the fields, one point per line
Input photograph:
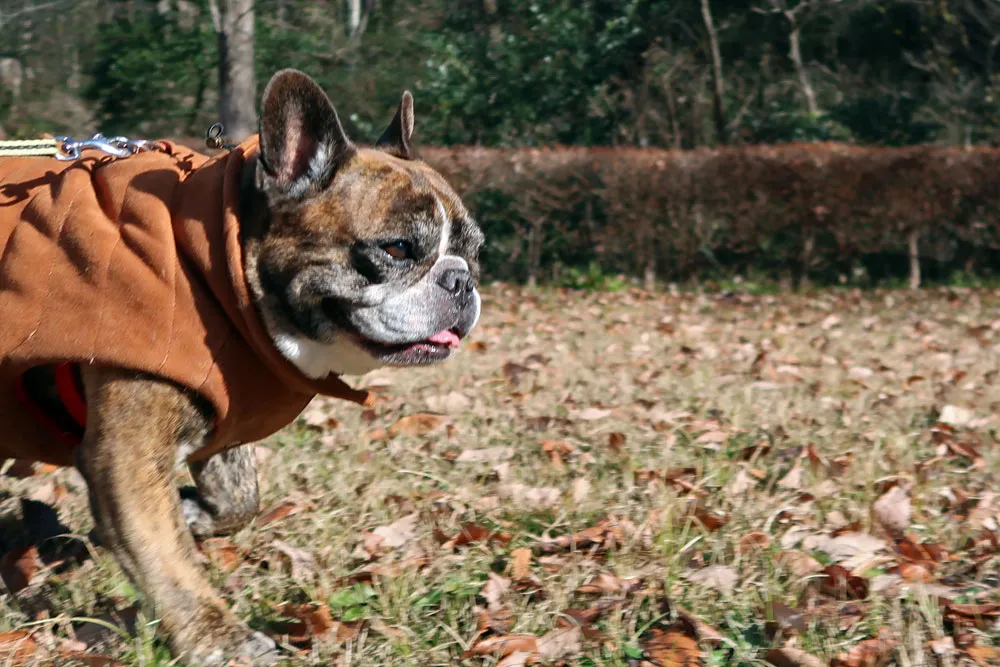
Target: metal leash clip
x=216 y=137
x=116 y=146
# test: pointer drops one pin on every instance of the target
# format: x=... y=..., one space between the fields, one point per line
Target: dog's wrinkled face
x=365 y=257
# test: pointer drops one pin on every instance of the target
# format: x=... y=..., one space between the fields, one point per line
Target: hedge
x=806 y=211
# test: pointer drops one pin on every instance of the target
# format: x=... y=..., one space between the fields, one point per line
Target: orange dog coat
x=136 y=263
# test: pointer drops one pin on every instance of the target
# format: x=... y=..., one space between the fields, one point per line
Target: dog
x=169 y=308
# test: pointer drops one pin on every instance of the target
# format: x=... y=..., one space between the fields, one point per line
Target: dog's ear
x=396 y=138
x=302 y=142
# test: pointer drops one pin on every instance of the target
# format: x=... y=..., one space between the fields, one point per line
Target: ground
x=605 y=479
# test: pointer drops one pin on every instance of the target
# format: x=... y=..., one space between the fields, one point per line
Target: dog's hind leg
x=134 y=425
x=224 y=498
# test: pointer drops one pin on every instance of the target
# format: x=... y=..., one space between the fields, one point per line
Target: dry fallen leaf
x=609 y=584
x=503 y=645
x=559 y=644
x=792 y=657
x=893 y=510
x=312 y=622
x=278 y=512
x=672 y=647
x=869 y=653
x=417 y=424
x=526 y=497
x=487 y=455
x=473 y=532
x=753 y=542
x=16 y=645
x=798 y=563
x=520 y=563
x=721 y=578
x=450 y=403
x=222 y=553
x=302 y=564
x=19 y=567
x=392 y=536
x=842 y=585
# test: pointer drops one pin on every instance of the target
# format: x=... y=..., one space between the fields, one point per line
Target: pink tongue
x=446 y=337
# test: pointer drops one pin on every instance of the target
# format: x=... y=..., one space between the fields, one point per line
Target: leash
x=67 y=148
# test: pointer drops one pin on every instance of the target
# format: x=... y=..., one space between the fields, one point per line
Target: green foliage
x=591 y=278
x=150 y=74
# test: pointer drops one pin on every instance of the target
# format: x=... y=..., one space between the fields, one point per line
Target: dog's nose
x=456 y=281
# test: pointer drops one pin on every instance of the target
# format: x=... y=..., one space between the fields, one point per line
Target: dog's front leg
x=224 y=498
x=134 y=425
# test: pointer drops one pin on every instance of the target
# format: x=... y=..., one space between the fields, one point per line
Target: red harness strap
x=71 y=396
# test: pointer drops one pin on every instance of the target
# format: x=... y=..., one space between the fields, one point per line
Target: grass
x=692 y=382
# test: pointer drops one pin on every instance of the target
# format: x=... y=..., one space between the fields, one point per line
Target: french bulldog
x=354 y=258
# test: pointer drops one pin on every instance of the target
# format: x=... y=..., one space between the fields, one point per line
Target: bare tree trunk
x=534 y=251
x=808 y=244
x=795 y=54
x=233 y=21
x=914 y=260
x=649 y=274
x=353 y=17
x=718 y=83
x=675 y=126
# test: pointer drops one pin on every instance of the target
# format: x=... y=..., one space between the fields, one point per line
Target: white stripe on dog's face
x=445 y=229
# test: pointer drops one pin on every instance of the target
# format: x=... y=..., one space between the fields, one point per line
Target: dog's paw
x=253 y=649
x=198 y=519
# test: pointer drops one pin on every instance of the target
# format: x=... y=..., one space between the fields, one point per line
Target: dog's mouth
x=430 y=350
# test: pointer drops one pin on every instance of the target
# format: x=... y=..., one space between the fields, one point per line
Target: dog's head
x=356 y=257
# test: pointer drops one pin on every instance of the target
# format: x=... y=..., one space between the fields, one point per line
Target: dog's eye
x=398 y=249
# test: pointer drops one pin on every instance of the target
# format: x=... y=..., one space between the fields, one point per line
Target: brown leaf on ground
x=487 y=455
x=530 y=497
x=605 y=535
x=784 y=620
x=913 y=573
x=494 y=589
x=986 y=656
x=616 y=442
x=972 y=615
x=86 y=659
x=721 y=578
x=503 y=645
x=23 y=468
x=420 y=423
x=16 y=645
x=753 y=542
x=513 y=372
x=559 y=644
x=19 y=567
x=278 y=512
x=473 y=532
x=222 y=553
x=519 y=659
x=672 y=647
x=520 y=563
x=705 y=518
x=798 y=563
x=840 y=584
x=557 y=450
x=451 y=403
x=316 y=416
x=893 y=510
x=609 y=584
x=312 y=622
x=869 y=653
x=392 y=536
x=792 y=657
x=301 y=563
